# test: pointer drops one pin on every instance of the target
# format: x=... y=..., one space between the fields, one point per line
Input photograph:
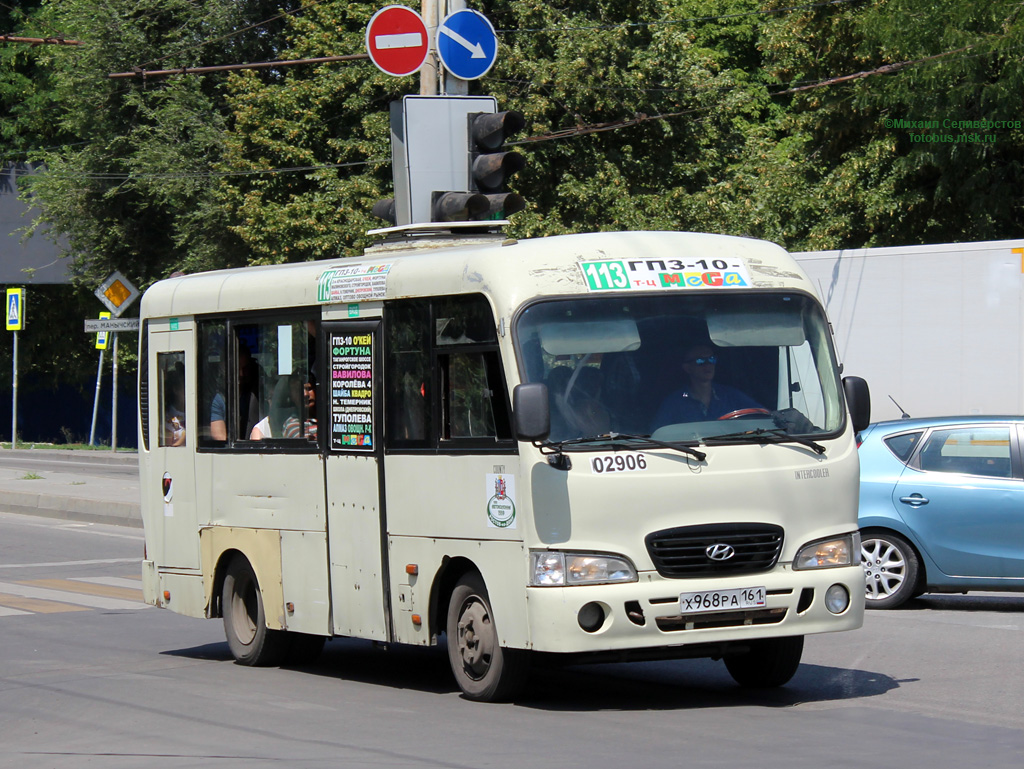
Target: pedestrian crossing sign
x=103 y=337
x=15 y=309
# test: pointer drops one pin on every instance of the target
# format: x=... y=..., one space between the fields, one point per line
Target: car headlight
x=549 y=568
x=829 y=553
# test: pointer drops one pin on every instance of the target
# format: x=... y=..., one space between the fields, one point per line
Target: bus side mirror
x=858 y=399
x=531 y=413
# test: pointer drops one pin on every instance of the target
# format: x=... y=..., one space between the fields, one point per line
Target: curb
x=98 y=457
x=72 y=508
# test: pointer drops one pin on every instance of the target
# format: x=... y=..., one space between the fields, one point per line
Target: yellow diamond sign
x=117 y=293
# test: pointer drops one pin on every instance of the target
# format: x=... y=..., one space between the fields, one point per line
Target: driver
x=700 y=398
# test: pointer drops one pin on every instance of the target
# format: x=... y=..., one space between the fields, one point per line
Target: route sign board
x=15 y=309
x=467 y=44
x=397 y=41
x=117 y=293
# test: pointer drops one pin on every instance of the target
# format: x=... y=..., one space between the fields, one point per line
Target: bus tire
x=484 y=670
x=770 y=662
x=245 y=625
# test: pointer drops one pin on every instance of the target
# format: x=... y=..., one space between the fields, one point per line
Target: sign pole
x=102 y=339
x=96 y=401
x=14 y=396
x=113 y=412
x=428 y=72
x=15 y=323
x=454 y=86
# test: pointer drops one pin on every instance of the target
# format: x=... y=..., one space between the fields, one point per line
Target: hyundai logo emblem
x=719 y=552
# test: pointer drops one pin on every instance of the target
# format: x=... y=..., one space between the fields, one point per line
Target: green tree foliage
x=309 y=152
x=134 y=190
x=837 y=165
x=719 y=115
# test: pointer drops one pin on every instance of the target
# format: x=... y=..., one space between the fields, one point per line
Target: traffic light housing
x=449 y=162
x=491 y=164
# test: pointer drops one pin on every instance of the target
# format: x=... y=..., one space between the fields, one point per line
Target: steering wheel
x=738 y=413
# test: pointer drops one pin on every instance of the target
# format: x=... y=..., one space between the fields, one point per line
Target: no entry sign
x=396 y=39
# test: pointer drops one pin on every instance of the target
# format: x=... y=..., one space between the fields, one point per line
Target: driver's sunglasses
x=711 y=359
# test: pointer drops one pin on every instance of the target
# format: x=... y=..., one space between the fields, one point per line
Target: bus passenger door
x=172 y=440
x=355 y=509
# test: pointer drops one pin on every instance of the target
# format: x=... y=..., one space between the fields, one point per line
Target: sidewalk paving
x=71 y=485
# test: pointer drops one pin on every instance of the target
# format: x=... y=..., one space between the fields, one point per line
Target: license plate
x=722 y=600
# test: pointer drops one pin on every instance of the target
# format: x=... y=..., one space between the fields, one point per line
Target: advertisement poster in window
x=351 y=391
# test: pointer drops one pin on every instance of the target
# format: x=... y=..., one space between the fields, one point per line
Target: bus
x=591 y=447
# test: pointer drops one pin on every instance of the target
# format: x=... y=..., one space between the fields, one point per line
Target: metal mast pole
x=453 y=86
x=428 y=72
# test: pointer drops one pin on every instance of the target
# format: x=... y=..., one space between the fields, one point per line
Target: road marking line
x=96 y=602
x=5 y=612
x=36 y=606
x=127 y=583
x=75 y=586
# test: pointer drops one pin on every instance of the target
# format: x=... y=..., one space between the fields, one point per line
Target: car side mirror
x=531 y=412
x=858 y=399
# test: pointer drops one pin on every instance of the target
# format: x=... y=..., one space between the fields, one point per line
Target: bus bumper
x=646 y=615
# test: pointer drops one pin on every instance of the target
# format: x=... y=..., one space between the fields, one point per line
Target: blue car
x=941 y=507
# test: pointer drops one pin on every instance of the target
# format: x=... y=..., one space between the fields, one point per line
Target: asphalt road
x=90 y=676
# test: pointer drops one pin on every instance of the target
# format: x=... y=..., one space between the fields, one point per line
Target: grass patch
x=30 y=476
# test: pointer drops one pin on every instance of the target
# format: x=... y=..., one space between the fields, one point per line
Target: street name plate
x=120 y=324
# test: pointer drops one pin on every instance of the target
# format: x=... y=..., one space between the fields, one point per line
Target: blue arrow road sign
x=467 y=44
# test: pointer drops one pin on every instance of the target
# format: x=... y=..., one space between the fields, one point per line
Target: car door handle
x=914 y=500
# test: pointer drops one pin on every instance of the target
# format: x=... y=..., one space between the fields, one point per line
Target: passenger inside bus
x=701 y=398
x=174 y=412
x=250 y=375
x=283 y=410
x=309 y=398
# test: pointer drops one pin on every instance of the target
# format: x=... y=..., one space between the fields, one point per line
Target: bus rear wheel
x=483 y=669
x=770 y=662
x=245 y=626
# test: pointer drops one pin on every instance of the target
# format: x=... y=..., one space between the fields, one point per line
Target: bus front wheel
x=770 y=662
x=249 y=639
x=483 y=669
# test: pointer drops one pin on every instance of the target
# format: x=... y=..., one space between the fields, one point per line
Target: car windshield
x=685 y=367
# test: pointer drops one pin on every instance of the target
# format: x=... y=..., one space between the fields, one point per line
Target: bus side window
x=473 y=405
x=407 y=383
x=171 y=394
x=444 y=382
x=212 y=410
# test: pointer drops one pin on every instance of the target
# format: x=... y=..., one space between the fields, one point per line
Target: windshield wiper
x=559 y=460
x=761 y=435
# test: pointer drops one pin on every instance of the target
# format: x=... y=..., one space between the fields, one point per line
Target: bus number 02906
x=618 y=463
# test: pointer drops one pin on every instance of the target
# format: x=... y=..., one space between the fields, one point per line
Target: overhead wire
x=565 y=133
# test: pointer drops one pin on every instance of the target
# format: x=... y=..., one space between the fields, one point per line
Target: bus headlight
x=550 y=568
x=829 y=553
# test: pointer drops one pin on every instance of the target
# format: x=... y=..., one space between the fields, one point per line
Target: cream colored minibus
x=591 y=447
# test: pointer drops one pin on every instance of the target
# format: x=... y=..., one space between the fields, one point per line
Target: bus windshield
x=683 y=367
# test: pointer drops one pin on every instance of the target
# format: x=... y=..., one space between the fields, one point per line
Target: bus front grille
x=715 y=549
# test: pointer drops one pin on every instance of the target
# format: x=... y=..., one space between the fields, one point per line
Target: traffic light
x=459 y=207
x=448 y=161
x=491 y=164
x=385 y=209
